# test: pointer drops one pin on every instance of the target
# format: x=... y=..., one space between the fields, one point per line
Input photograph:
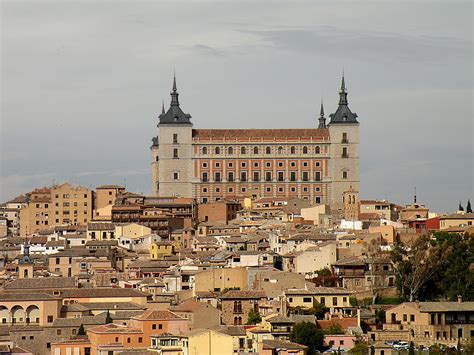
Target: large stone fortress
x=317 y=164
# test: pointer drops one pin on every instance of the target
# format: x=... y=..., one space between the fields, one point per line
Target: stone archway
x=32 y=314
x=17 y=314
x=4 y=315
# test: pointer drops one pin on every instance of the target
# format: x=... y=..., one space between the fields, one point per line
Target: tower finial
x=343 y=92
x=163 y=106
x=174 y=93
x=322 y=119
x=174 y=81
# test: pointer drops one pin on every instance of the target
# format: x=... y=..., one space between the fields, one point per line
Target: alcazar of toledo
x=318 y=164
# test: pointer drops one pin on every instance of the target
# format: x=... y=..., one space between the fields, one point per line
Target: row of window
x=68 y=196
x=267 y=189
x=257 y=164
x=317 y=199
x=280 y=176
x=256 y=176
x=258 y=150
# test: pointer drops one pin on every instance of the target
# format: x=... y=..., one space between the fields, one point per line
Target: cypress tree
x=108 y=318
x=468 y=207
x=460 y=208
x=81 y=330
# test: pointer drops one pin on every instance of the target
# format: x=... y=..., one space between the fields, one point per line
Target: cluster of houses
x=148 y=275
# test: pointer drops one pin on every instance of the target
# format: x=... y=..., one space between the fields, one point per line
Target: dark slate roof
x=343 y=113
x=174 y=114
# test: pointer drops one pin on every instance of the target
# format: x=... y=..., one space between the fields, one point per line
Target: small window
x=176 y=176
x=255 y=150
x=175 y=153
x=344 y=174
x=305 y=150
x=293 y=150
x=280 y=150
x=204 y=150
x=204 y=165
x=268 y=150
x=175 y=138
x=217 y=150
x=317 y=176
x=242 y=150
x=317 y=150
x=230 y=150
x=204 y=177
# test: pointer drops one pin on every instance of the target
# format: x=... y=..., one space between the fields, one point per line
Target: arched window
x=268 y=150
x=204 y=150
x=292 y=150
x=255 y=150
x=230 y=151
x=242 y=150
x=353 y=199
x=317 y=150
x=280 y=150
x=217 y=151
x=305 y=150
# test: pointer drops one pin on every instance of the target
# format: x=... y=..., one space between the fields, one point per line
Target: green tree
x=308 y=334
x=108 y=318
x=254 y=317
x=334 y=328
x=360 y=348
x=411 y=349
x=468 y=207
x=380 y=316
x=81 y=330
x=460 y=208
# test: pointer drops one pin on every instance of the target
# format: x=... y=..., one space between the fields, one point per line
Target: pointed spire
x=174 y=93
x=163 y=106
x=343 y=92
x=322 y=119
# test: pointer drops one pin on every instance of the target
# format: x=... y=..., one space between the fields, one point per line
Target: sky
x=82 y=84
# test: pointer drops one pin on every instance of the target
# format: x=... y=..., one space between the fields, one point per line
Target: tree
x=308 y=334
x=380 y=316
x=411 y=349
x=468 y=207
x=360 y=348
x=460 y=208
x=81 y=330
x=254 y=317
x=334 y=328
x=415 y=266
x=108 y=318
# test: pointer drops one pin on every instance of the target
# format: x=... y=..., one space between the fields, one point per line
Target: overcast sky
x=82 y=85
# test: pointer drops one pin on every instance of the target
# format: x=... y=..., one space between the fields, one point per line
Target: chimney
x=417 y=304
x=459 y=299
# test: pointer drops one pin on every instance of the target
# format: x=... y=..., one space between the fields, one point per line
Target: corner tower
x=344 y=154
x=172 y=151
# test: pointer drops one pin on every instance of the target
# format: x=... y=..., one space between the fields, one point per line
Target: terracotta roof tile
x=260 y=134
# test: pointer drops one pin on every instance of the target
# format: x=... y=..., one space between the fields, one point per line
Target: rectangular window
x=344 y=174
x=175 y=138
x=175 y=153
x=344 y=138
x=334 y=301
x=256 y=176
x=412 y=317
x=344 y=153
x=204 y=177
x=293 y=176
x=317 y=176
x=280 y=164
x=230 y=176
x=305 y=176
x=243 y=176
x=268 y=176
x=217 y=177
x=306 y=299
x=281 y=176
x=176 y=176
x=405 y=317
x=323 y=301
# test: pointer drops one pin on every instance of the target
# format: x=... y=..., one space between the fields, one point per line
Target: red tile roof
x=260 y=134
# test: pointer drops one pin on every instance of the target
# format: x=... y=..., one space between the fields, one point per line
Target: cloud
x=203 y=49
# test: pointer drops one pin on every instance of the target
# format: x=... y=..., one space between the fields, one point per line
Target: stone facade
x=317 y=164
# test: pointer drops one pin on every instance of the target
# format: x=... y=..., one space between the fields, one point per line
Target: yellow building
x=456 y=220
x=163 y=248
x=220 y=279
x=59 y=205
x=334 y=298
x=131 y=230
x=210 y=342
